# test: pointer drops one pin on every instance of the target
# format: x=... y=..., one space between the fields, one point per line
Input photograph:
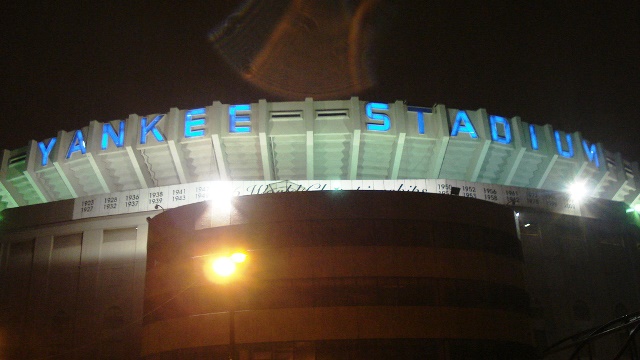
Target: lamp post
x=224 y=267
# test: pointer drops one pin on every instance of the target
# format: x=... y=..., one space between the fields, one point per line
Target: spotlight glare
x=577 y=191
x=221 y=197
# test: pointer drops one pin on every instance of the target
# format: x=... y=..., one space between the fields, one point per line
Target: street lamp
x=223 y=268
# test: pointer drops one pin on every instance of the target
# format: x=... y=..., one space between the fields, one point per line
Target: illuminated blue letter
x=77 y=144
x=591 y=152
x=494 y=121
x=46 y=150
x=190 y=123
x=463 y=124
x=234 y=118
x=109 y=132
x=420 y=112
x=386 y=122
x=566 y=153
x=144 y=129
x=534 y=137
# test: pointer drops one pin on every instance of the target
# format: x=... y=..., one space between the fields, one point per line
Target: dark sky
x=572 y=64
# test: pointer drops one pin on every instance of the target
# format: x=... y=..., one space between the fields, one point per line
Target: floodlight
x=221 y=196
x=577 y=190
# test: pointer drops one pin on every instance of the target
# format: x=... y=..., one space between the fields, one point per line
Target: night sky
x=574 y=65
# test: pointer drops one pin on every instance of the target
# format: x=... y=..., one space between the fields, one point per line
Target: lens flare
x=298 y=49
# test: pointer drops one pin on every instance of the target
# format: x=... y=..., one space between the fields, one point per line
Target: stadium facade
x=355 y=203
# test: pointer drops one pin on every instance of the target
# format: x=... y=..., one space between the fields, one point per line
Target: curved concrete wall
x=346 y=266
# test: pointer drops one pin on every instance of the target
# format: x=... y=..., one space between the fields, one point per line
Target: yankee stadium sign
x=325 y=140
x=239 y=120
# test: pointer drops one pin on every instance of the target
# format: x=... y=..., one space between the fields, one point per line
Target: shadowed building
x=360 y=275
